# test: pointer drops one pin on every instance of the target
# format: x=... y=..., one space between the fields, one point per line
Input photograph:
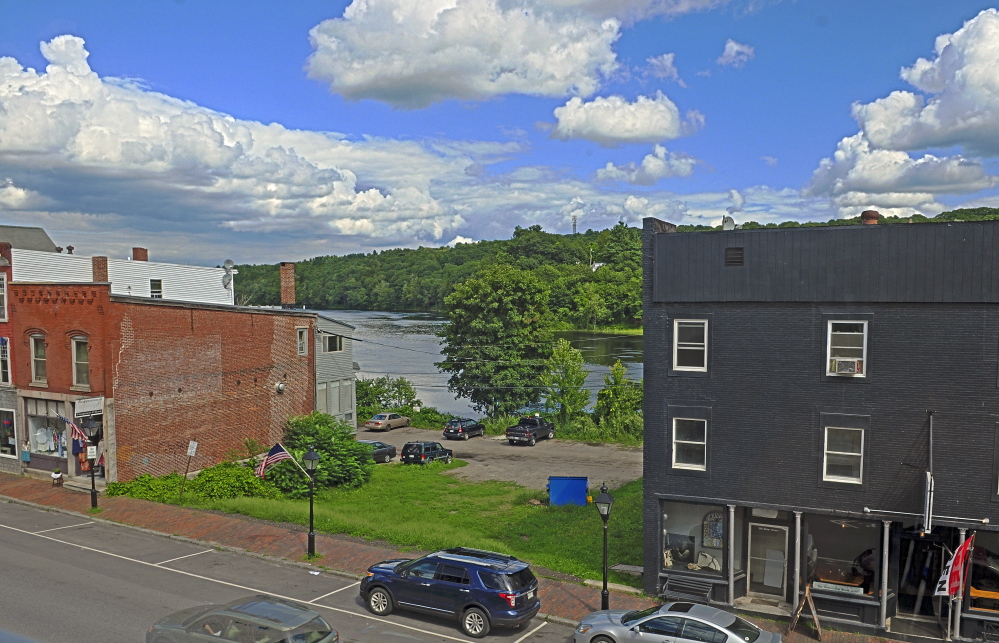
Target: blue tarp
x=566 y=490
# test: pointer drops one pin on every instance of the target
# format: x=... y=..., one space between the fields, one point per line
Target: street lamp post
x=92 y=430
x=311 y=460
x=604 y=502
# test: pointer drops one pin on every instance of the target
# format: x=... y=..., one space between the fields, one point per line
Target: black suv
x=424 y=452
x=462 y=429
x=481 y=589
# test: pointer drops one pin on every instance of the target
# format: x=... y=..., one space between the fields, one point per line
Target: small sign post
x=91 y=453
x=192 y=450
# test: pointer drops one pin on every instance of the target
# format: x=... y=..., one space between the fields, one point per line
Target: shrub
x=162 y=489
x=231 y=480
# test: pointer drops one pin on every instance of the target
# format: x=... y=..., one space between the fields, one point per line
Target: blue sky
x=280 y=131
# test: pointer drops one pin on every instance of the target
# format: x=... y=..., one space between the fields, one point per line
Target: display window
x=8 y=441
x=984 y=576
x=46 y=433
x=841 y=554
x=694 y=537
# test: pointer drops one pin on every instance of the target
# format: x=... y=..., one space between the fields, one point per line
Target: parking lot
x=493 y=458
x=83 y=580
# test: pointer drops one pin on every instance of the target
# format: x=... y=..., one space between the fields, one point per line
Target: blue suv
x=481 y=589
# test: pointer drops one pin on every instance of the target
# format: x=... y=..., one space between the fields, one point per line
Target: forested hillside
x=583 y=292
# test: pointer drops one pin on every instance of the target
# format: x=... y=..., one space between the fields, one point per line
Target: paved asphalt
x=68 y=579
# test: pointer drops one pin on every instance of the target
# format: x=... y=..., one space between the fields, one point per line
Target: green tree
x=497 y=339
x=563 y=380
x=619 y=402
x=591 y=306
x=386 y=393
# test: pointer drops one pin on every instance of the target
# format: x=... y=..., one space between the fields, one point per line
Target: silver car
x=670 y=623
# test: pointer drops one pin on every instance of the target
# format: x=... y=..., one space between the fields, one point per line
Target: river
x=405 y=344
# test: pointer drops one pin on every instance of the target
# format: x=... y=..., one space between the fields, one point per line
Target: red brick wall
x=182 y=374
x=287 y=283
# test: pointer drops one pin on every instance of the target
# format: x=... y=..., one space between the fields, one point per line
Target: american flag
x=74 y=431
x=275 y=455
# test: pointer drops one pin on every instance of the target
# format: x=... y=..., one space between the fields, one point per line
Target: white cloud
x=661 y=164
x=962 y=107
x=612 y=120
x=738 y=202
x=663 y=67
x=769 y=160
x=736 y=54
x=15 y=198
x=460 y=239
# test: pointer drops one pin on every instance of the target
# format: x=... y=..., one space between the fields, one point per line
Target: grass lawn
x=422 y=508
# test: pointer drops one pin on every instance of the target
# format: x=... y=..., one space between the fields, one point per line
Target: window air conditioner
x=848 y=366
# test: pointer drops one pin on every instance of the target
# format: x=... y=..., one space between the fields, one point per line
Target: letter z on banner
x=951 y=583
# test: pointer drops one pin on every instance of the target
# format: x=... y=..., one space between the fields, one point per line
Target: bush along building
x=153 y=356
x=822 y=412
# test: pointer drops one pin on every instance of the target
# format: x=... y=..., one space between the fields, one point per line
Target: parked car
x=462 y=429
x=386 y=422
x=424 y=452
x=669 y=622
x=254 y=618
x=481 y=589
x=380 y=452
x=531 y=429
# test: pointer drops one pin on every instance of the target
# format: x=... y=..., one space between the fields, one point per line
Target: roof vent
x=734 y=256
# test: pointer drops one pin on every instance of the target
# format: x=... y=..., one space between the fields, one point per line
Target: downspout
x=731 y=555
x=883 y=617
x=797 y=558
x=960 y=597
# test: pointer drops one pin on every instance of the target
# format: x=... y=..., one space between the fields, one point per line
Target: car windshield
x=412 y=448
x=454 y=423
x=380 y=416
x=744 y=630
x=509 y=582
x=315 y=630
x=636 y=615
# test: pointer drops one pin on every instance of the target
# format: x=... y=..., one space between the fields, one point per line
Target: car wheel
x=513 y=442
x=551 y=434
x=161 y=639
x=464 y=436
x=531 y=442
x=475 y=623
x=601 y=639
x=379 y=602
x=386 y=458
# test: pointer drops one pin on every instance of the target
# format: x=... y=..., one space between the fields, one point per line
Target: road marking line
x=237 y=586
x=524 y=637
x=180 y=557
x=334 y=592
x=65 y=527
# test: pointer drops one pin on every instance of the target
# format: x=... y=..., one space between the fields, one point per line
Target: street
x=68 y=578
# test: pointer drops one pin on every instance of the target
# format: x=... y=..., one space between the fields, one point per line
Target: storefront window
x=984 y=589
x=841 y=554
x=46 y=432
x=694 y=537
x=8 y=443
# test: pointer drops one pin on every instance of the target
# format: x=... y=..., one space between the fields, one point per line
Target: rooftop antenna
x=728 y=223
x=228 y=265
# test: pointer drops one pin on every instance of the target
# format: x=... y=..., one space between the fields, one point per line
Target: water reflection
x=405 y=344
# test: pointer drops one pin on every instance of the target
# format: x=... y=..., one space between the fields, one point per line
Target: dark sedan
x=462 y=429
x=380 y=452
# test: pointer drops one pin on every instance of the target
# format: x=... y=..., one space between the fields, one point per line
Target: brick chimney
x=140 y=254
x=870 y=217
x=100 y=269
x=287 y=284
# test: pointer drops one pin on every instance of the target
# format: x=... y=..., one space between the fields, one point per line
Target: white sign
x=91 y=453
x=192 y=449
x=833 y=587
x=88 y=406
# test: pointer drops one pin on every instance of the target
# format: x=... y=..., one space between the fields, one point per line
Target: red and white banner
x=951 y=583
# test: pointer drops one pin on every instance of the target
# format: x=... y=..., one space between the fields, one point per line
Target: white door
x=767 y=560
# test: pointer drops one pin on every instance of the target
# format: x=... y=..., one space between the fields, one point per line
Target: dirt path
x=490 y=458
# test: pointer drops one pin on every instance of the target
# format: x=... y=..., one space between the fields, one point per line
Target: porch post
x=731 y=555
x=960 y=597
x=885 y=542
x=797 y=558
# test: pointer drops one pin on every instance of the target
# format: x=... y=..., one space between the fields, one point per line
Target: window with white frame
x=690 y=444
x=3 y=297
x=332 y=343
x=303 y=335
x=38 y=373
x=843 y=455
x=156 y=288
x=690 y=345
x=847 y=348
x=81 y=362
x=4 y=360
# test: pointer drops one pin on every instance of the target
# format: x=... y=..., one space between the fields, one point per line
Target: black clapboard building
x=822 y=410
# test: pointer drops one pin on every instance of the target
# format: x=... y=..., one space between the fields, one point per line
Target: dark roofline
x=176 y=303
x=336 y=321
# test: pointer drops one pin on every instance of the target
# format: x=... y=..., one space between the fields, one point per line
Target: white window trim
x=682 y=465
x=5 y=357
x=34 y=376
x=676 y=343
x=302 y=340
x=826 y=452
x=829 y=357
x=17 y=443
x=3 y=294
x=326 y=340
x=73 y=342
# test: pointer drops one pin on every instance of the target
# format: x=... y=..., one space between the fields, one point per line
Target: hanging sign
x=91 y=453
x=88 y=406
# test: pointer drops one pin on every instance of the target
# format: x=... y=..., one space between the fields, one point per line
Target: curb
x=558 y=620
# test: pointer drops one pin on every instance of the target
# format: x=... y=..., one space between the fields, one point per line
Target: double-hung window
x=847 y=348
x=3 y=297
x=303 y=340
x=4 y=360
x=690 y=444
x=332 y=343
x=38 y=374
x=81 y=363
x=690 y=345
x=843 y=457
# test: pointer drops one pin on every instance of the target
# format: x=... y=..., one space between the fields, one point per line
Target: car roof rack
x=480 y=553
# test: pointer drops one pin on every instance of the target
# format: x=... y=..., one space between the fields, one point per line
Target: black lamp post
x=311 y=460
x=92 y=430
x=604 y=502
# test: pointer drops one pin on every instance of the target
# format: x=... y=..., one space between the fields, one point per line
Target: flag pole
x=295 y=460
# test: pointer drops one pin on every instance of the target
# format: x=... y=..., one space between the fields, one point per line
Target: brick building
x=821 y=412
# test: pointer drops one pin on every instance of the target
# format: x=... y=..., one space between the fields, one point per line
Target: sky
x=279 y=131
